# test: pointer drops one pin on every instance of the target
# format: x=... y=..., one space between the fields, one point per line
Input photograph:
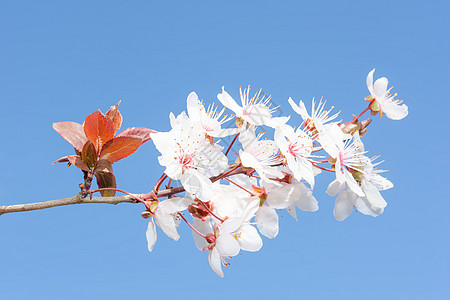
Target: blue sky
x=61 y=61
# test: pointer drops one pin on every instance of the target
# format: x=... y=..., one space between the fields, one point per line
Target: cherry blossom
x=319 y=116
x=261 y=155
x=189 y=157
x=254 y=110
x=296 y=146
x=210 y=119
x=383 y=101
x=165 y=216
x=371 y=183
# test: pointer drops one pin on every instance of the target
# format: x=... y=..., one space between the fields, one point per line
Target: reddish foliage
x=98 y=147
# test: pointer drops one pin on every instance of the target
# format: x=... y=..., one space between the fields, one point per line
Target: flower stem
x=159 y=182
x=322 y=168
x=232 y=142
x=363 y=112
x=231 y=181
x=213 y=214
x=192 y=227
x=226 y=173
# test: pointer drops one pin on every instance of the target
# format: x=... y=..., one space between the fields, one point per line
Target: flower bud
x=362 y=132
x=357 y=175
x=239 y=122
x=154 y=206
x=198 y=209
x=210 y=238
x=369 y=98
x=332 y=160
x=375 y=106
x=349 y=128
x=261 y=193
x=146 y=214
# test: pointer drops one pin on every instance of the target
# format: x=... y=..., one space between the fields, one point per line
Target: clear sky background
x=61 y=61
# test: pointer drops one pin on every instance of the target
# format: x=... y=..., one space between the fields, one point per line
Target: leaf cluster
x=98 y=145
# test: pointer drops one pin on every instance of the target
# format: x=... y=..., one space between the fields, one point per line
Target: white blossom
x=210 y=119
x=296 y=146
x=261 y=155
x=388 y=105
x=189 y=157
x=166 y=218
x=254 y=110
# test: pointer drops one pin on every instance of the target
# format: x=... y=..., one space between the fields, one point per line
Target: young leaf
x=137 y=132
x=89 y=155
x=98 y=129
x=106 y=180
x=114 y=115
x=72 y=132
x=74 y=160
x=61 y=160
x=103 y=165
x=120 y=147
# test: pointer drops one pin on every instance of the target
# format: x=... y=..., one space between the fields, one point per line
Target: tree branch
x=79 y=199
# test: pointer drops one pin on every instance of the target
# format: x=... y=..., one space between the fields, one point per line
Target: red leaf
x=73 y=133
x=106 y=180
x=120 y=147
x=74 y=160
x=114 y=115
x=137 y=132
x=99 y=129
x=104 y=165
x=88 y=155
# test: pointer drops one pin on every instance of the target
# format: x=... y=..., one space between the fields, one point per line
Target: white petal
x=249 y=239
x=282 y=196
x=394 y=111
x=352 y=183
x=380 y=182
x=204 y=228
x=197 y=184
x=364 y=207
x=307 y=171
x=339 y=176
x=227 y=245
x=214 y=261
x=175 y=204
x=343 y=206
x=194 y=107
x=369 y=81
x=334 y=187
x=267 y=221
x=373 y=195
x=163 y=141
x=220 y=133
x=300 y=108
x=229 y=102
x=166 y=222
x=307 y=202
x=260 y=115
x=380 y=87
x=230 y=225
x=280 y=140
x=292 y=211
x=151 y=235
x=249 y=160
x=277 y=121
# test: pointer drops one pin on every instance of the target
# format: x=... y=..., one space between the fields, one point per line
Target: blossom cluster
x=233 y=198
